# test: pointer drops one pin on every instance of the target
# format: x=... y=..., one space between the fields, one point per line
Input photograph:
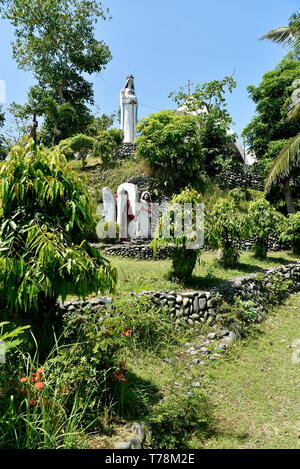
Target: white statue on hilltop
x=129 y=105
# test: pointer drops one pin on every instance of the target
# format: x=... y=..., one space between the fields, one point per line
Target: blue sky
x=165 y=43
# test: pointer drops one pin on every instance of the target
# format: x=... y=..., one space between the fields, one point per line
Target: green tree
x=270 y=130
x=98 y=124
x=174 y=230
x=287 y=161
x=272 y=98
x=102 y=146
x=291 y=231
x=264 y=221
x=56 y=42
x=208 y=104
x=225 y=225
x=44 y=220
x=171 y=144
x=288 y=158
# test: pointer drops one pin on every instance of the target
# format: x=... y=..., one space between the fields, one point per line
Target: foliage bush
x=291 y=231
x=44 y=213
x=176 y=419
x=173 y=231
x=170 y=143
x=224 y=227
x=264 y=220
x=102 y=146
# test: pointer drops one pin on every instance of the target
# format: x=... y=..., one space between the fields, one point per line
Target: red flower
x=32 y=402
x=24 y=380
x=118 y=376
x=40 y=371
x=39 y=386
x=127 y=332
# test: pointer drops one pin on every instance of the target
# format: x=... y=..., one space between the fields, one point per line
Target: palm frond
x=286 y=35
x=282 y=35
x=288 y=158
x=294 y=110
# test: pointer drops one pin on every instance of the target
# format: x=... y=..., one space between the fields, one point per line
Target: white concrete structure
x=131 y=214
x=129 y=106
x=110 y=205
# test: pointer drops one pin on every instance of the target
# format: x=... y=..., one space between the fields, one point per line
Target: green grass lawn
x=139 y=275
x=251 y=393
x=255 y=389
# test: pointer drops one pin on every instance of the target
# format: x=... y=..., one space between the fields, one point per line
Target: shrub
x=171 y=144
x=44 y=211
x=264 y=221
x=176 y=419
x=224 y=227
x=179 y=234
x=291 y=231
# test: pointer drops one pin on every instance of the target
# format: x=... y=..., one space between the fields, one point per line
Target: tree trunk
x=288 y=196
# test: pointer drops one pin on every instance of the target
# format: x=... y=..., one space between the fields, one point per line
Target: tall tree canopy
x=208 y=104
x=171 y=144
x=55 y=40
x=272 y=98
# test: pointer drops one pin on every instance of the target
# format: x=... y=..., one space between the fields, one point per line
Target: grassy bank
x=255 y=389
x=139 y=275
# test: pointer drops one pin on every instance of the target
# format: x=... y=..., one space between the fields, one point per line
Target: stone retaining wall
x=202 y=306
x=143 y=251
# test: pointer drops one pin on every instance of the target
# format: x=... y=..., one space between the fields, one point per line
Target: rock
x=196 y=384
x=211 y=335
x=122 y=445
x=224 y=333
x=134 y=443
x=186 y=301
x=215 y=356
x=168 y=360
x=179 y=300
x=230 y=338
x=222 y=346
x=197 y=361
x=95 y=301
x=139 y=431
x=195 y=316
x=196 y=306
x=202 y=303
